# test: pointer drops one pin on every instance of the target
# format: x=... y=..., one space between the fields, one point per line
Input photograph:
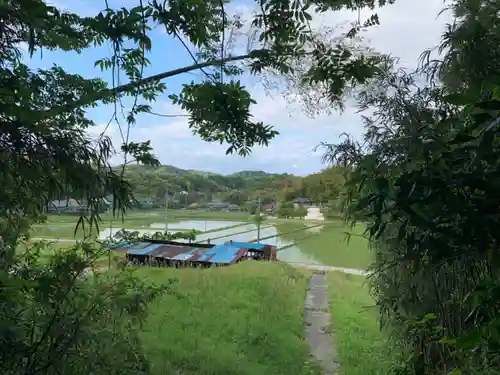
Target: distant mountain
x=180 y=172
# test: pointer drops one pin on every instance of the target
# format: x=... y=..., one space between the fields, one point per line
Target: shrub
x=60 y=318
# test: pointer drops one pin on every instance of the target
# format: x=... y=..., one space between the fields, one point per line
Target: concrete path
x=318 y=267
x=317 y=325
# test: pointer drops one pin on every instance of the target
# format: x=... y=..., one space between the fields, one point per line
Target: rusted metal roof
x=264 y=251
x=219 y=254
x=254 y=246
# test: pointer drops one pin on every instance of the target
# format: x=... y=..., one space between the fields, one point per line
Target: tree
x=218 y=108
x=424 y=179
x=235 y=197
x=54 y=312
x=251 y=207
x=285 y=210
x=301 y=212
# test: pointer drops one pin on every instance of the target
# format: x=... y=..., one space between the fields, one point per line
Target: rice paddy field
x=302 y=242
x=248 y=318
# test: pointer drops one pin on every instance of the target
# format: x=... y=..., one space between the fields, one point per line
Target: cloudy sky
x=406 y=29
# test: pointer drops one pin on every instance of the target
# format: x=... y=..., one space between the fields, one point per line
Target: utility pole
x=166 y=209
x=257 y=215
x=110 y=237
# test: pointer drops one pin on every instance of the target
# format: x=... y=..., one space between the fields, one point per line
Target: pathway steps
x=317 y=324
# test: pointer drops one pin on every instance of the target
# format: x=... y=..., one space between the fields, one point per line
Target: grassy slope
x=245 y=319
x=362 y=347
x=64 y=232
x=332 y=249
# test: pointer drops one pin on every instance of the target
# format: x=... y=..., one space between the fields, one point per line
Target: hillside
x=153 y=182
x=193 y=186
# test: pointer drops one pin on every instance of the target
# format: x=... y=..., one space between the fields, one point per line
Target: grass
x=63 y=226
x=224 y=228
x=146 y=217
x=331 y=247
x=248 y=319
x=57 y=232
x=240 y=320
x=362 y=347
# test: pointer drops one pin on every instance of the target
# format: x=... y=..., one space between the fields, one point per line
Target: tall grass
x=245 y=319
x=362 y=348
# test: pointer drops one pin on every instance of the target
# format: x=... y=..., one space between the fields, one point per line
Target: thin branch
x=103 y=94
x=163 y=115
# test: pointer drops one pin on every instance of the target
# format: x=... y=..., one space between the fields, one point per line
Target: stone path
x=317 y=324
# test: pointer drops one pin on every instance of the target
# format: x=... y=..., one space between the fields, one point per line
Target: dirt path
x=317 y=325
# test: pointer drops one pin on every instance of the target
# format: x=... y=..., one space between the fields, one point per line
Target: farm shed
x=177 y=254
x=256 y=250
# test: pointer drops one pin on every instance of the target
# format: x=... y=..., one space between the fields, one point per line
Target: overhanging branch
x=103 y=94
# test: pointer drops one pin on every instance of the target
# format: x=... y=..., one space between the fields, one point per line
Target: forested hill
x=150 y=182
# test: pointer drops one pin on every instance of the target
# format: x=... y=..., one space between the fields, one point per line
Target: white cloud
x=175 y=144
x=406 y=29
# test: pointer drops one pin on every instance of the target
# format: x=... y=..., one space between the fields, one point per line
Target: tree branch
x=103 y=94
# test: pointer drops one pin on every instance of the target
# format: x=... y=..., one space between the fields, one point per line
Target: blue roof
x=222 y=254
x=248 y=245
x=145 y=250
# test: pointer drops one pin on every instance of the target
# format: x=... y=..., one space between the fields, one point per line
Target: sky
x=406 y=29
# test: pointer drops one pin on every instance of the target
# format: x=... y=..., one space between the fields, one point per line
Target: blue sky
x=406 y=30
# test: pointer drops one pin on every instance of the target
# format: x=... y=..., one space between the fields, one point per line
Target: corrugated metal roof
x=220 y=254
x=248 y=245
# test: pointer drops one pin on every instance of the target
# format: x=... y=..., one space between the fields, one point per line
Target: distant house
x=269 y=207
x=66 y=206
x=146 y=201
x=217 y=205
x=302 y=201
x=71 y=205
x=108 y=201
x=298 y=202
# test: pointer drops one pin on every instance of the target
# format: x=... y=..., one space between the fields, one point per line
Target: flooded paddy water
x=269 y=234
x=220 y=231
x=199 y=225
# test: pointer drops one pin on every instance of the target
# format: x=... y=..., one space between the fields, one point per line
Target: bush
x=300 y=212
x=251 y=207
x=59 y=318
x=285 y=210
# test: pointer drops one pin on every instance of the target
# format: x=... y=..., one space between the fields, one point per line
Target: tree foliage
x=238 y=188
x=43 y=116
x=56 y=317
x=425 y=179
